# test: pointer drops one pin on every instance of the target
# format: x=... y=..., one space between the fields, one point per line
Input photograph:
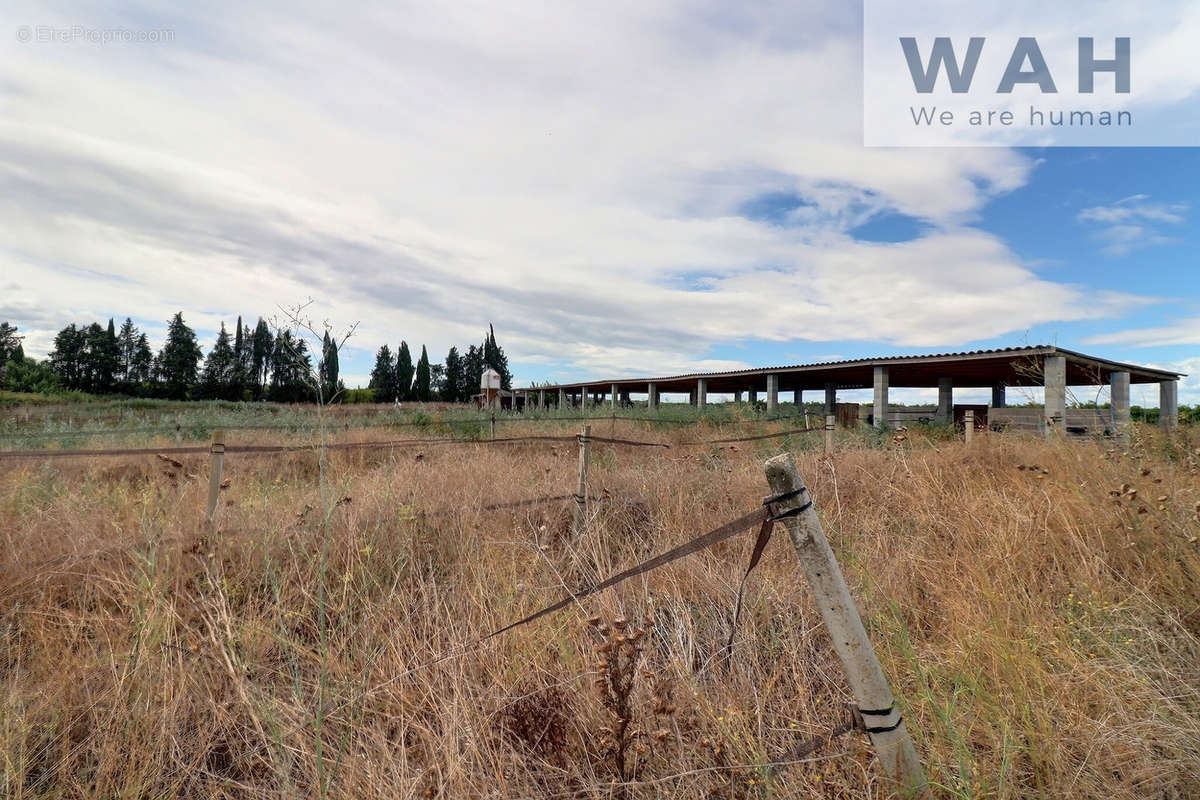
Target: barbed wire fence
x=875 y=714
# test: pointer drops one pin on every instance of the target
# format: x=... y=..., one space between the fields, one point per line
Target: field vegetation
x=1036 y=606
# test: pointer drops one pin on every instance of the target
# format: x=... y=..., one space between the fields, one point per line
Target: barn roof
x=1010 y=366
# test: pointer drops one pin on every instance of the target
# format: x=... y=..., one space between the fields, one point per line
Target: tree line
x=248 y=364
x=453 y=381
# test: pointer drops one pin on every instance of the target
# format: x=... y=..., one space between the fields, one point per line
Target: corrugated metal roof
x=1029 y=350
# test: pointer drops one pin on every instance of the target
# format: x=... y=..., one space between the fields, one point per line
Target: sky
x=620 y=189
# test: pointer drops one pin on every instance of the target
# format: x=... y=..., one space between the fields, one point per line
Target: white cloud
x=561 y=171
x=1132 y=223
x=1181 y=332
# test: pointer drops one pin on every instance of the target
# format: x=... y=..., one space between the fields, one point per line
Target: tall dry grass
x=1036 y=606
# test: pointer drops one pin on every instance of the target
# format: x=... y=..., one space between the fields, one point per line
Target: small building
x=491 y=395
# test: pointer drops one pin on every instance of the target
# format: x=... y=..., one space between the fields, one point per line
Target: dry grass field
x=1035 y=605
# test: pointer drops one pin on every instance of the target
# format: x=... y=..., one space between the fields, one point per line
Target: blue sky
x=660 y=188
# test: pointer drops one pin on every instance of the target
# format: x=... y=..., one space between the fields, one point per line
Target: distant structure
x=491 y=395
x=1052 y=368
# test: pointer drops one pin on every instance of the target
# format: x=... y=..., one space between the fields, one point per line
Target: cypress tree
x=262 y=350
x=328 y=369
x=239 y=360
x=495 y=358
x=109 y=360
x=423 y=377
x=179 y=359
x=404 y=373
x=383 y=377
x=452 y=380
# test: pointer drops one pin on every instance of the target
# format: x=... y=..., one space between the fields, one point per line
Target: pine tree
x=383 y=377
x=217 y=380
x=142 y=367
x=421 y=389
x=437 y=380
x=126 y=347
x=473 y=367
x=404 y=373
x=452 y=380
x=291 y=370
x=179 y=359
x=9 y=342
x=27 y=375
x=67 y=359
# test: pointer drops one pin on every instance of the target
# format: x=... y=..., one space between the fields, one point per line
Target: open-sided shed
x=1048 y=366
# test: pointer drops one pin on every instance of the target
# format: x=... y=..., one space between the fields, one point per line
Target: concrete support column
x=541 y=398
x=772 y=393
x=737 y=397
x=881 y=396
x=1055 y=378
x=701 y=393
x=798 y=400
x=998 y=399
x=945 y=408
x=615 y=396
x=830 y=399
x=1118 y=389
x=1168 y=403
x=752 y=395
x=562 y=398
x=652 y=396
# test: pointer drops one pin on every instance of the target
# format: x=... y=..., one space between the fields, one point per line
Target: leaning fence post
x=215 y=466
x=830 y=421
x=884 y=725
x=969 y=425
x=585 y=441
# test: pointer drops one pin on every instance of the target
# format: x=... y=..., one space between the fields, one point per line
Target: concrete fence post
x=894 y=747
x=969 y=426
x=585 y=441
x=830 y=423
x=216 y=465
